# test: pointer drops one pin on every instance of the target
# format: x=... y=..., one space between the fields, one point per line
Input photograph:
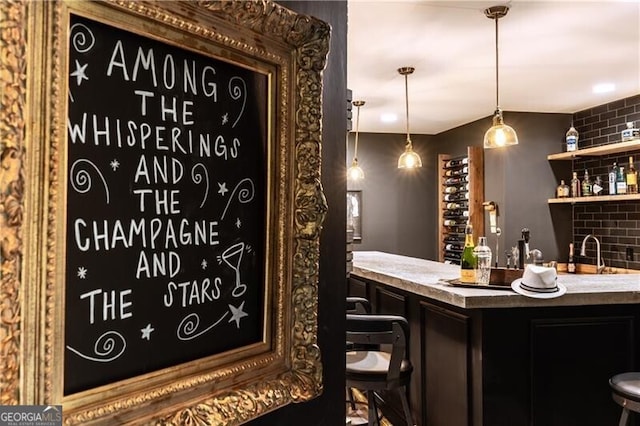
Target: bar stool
x=625 y=389
x=375 y=369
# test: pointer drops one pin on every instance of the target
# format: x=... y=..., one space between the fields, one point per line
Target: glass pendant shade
x=355 y=172
x=500 y=134
x=409 y=158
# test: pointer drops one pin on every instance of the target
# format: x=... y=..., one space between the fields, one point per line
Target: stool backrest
x=358 y=305
x=372 y=329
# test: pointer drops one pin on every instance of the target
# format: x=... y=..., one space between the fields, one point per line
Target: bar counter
x=426 y=278
x=484 y=357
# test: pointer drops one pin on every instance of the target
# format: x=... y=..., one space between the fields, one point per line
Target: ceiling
x=551 y=54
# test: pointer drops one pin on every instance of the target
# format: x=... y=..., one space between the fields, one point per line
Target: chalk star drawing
x=238 y=223
x=146 y=332
x=225 y=118
x=222 y=188
x=114 y=164
x=237 y=313
x=79 y=73
x=82 y=272
x=204 y=264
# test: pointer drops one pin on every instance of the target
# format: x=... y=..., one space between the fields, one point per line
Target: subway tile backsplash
x=616 y=224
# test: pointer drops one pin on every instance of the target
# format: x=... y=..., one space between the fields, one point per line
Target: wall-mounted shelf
x=594 y=199
x=598 y=151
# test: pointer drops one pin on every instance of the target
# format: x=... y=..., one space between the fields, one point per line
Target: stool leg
x=351 y=399
x=624 y=418
x=405 y=406
x=373 y=409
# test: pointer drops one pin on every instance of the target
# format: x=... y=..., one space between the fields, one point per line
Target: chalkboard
x=166 y=205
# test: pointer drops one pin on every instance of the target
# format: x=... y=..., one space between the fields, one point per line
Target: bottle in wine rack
x=453 y=246
x=456 y=162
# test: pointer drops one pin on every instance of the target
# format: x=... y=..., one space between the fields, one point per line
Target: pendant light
x=355 y=172
x=409 y=159
x=499 y=134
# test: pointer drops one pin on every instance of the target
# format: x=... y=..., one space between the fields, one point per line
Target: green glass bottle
x=468 y=261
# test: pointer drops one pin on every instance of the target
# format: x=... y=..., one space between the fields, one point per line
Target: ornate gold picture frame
x=160 y=208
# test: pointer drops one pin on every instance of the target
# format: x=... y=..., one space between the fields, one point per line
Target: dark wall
x=400 y=210
x=329 y=408
x=518 y=178
x=395 y=202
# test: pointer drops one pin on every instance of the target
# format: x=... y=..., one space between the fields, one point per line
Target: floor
x=359 y=415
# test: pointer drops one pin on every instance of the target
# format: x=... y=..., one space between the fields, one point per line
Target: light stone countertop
x=425 y=278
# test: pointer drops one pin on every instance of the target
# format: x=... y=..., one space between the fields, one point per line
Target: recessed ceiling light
x=604 y=88
x=388 y=118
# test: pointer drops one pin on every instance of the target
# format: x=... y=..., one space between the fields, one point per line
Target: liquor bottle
x=468 y=261
x=576 y=190
x=621 y=181
x=482 y=253
x=613 y=174
x=632 y=178
x=451 y=189
x=629 y=133
x=453 y=206
x=597 y=186
x=571 y=263
x=572 y=139
x=586 y=185
x=563 y=190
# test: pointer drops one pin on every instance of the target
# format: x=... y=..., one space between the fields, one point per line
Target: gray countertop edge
x=425 y=278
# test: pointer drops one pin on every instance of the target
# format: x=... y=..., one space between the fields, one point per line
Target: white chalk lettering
x=113 y=306
x=166 y=234
x=117 y=60
x=144 y=94
x=190 y=293
x=160 y=265
x=147 y=63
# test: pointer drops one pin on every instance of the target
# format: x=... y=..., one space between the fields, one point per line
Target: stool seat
x=626 y=385
x=625 y=389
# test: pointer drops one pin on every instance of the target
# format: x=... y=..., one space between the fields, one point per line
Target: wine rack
x=461 y=193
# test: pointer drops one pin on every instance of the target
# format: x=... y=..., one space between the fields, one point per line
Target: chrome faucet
x=599 y=260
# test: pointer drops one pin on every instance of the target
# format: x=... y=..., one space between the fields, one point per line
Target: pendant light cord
x=406 y=98
x=497 y=89
x=355 y=148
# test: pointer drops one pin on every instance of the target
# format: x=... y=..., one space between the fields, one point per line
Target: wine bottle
x=571 y=263
x=613 y=173
x=572 y=139
x=632 y=178
x=629 y=133
x=576 y=190
x=597 y=186
x=586 y=185
x=621 y=181
x=468 y=261
x=563 y=190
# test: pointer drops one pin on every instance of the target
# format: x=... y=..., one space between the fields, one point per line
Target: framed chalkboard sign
x=171 y=165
